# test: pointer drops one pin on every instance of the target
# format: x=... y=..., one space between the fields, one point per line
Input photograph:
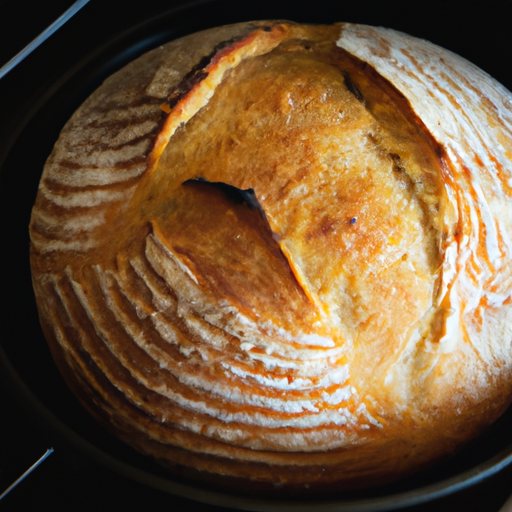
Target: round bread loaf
x=279 y=255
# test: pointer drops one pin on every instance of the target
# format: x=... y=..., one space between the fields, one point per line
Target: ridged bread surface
x=280 y=253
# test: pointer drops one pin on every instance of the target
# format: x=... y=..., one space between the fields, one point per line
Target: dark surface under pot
x=89 y=469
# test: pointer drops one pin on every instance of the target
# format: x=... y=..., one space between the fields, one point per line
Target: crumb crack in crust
x=355 y=325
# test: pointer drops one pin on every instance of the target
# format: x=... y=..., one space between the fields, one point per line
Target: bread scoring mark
x=267 y=338
x=96 y=176
x=352 y=88
x=98 y=306
x=309 y=374
x=199 y=72
x=85 y=199
x=46 y=223
x=112 y=156
x=97 y=163
x=445 y=99
x=248 y=197
x=75 y=335
x=204 y=82
x=458 y=104
x=234 y=194
x=193 y=379
x=105 y=377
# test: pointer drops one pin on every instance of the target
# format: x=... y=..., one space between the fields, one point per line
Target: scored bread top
x=268 y=240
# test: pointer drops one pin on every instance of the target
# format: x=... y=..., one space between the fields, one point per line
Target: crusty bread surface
x=280 y=254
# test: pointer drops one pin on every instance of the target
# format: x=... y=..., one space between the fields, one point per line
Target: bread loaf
x=279 y=255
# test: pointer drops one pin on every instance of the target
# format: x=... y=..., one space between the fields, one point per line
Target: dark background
x=35 y=100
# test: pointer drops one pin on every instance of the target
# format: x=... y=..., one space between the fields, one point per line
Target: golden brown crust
x=241 y=250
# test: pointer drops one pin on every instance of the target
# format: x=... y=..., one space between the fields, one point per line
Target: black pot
x=90 y=468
